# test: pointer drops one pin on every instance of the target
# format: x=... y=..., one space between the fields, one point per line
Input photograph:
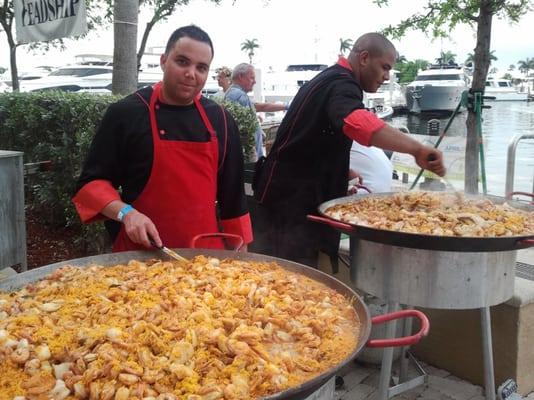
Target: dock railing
x=510 y=165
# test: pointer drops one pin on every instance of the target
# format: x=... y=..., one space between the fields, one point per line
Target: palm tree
x=526 y=65
x=401 y=59
x=344 y=44
x=471 y=57
x=511 y=67
x=248 y=47
x=446 y=57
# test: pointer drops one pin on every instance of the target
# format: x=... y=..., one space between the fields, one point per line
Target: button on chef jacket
x=121 y=157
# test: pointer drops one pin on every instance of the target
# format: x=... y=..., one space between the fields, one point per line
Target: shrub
x=247 y=123
x=54 y=126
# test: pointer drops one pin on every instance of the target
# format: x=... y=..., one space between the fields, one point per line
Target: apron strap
x=225 y=139
x=204 y=117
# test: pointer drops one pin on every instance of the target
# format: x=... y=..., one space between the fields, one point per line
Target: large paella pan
x=444 y=240
x=126 y=377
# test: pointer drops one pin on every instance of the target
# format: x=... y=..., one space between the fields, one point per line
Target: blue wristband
x=123 y=211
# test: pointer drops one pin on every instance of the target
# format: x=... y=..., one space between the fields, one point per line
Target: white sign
x=453 y=149
x=41 y=20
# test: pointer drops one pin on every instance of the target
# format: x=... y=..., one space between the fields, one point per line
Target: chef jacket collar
x=342 y=61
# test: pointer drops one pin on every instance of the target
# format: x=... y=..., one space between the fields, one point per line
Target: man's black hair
x=190 y=31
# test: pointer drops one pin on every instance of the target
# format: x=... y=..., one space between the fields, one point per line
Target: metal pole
x=478 y=111
x=487 y=352
x=387 y=357
x=405 y=356
x=449 y=122
x=510 y=164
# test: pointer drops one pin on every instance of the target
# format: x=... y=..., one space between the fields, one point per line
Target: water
x=500 y=124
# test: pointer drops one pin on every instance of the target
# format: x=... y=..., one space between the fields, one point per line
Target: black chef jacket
x=307 y=165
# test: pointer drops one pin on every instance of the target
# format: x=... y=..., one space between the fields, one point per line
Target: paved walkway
x=361 y=382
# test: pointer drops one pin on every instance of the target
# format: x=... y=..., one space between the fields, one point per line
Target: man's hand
x=140 y=229
x=430 y=158
x=355 y=175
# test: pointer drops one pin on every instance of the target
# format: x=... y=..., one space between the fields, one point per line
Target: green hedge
x=54 y=126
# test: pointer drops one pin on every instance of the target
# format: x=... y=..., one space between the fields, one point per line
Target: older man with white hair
x=243 y=80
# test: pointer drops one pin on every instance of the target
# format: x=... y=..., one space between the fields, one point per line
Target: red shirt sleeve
x=239 y=226
x=92 y=198
x=361 y=124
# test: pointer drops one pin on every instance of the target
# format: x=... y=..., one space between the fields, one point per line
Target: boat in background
x=84 y=80
x=437 y=89
x=26 y=74
x=283 y=86
x=91 y=73
x=503 y=90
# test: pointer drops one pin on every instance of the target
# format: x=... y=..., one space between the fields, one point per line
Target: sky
x=296 y=31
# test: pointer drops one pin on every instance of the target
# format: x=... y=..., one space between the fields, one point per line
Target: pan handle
x=334 y=224
x=527 y=241
x=531 y=195
x=404 y=341
x=234 y=239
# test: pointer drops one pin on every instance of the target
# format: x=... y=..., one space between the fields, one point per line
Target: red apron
x=180 y=194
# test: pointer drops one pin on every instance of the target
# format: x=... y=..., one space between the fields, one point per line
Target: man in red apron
x=175 y=157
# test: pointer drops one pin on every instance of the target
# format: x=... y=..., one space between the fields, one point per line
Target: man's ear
x=364 y=57
x=162 y=61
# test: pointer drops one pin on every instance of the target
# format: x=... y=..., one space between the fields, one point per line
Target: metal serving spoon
x=449 y=185
x=169 y=252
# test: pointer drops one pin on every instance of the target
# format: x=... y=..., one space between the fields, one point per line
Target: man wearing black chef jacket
x=173 y=154
x=309 y=161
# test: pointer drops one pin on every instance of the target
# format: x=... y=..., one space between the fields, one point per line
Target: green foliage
x=408 y=70
x=471 y=58
x=525 y=65
x=344 y=45
x=247 y=123
x=445 y=57
x=54 y=126
x=439 y=17
x=248 y=47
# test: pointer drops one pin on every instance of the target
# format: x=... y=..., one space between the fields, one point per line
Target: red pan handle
x=523 y=194
x=403 y=341
x=221 y=235
x=527 y=241
x=334 y=224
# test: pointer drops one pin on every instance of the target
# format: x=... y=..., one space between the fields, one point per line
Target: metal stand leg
x=487 y=351
x=352 y=251
x=387 y=357
x=405 y=358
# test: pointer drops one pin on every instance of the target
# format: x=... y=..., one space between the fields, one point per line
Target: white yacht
x=438 y=88
x=25 y=75
x=283 y=86
x=95 y=83
x=92 y=73
x=503 y=90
